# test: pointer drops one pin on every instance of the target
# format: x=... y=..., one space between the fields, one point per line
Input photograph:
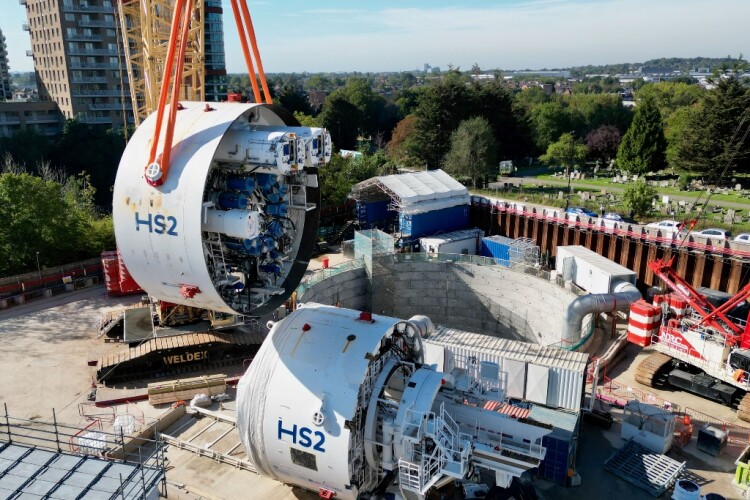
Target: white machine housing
x=234 y=223
x=339 y=401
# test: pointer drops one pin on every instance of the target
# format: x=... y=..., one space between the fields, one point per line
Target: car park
x=714 y=234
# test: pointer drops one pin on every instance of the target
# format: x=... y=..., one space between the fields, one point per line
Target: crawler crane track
x=649 y=369
x=178 y=355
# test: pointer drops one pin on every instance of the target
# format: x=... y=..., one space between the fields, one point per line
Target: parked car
x=613 y=217
x=581 y=211
x=714 y=234
x=668 y=226
x=742 y=238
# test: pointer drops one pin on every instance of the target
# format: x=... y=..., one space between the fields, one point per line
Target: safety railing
x=618 y=394
x=146 y=454
x=409 y=475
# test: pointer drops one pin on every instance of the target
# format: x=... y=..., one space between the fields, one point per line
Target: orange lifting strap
x=158 y=166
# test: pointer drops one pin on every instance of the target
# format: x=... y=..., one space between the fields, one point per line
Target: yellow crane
x=145 y=27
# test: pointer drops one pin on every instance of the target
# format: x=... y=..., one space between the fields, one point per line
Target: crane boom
x=709 y=314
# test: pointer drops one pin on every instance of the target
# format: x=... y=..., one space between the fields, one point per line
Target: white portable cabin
x=648 y=425
x=589 y=270
x=546 y=375
x=463 y=242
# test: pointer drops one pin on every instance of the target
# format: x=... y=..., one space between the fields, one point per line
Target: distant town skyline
x=339 y=36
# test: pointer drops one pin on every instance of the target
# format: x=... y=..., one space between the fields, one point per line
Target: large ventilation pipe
x=624 y=294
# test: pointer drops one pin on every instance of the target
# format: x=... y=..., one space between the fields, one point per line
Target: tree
x=495 y=104
x=294 y=100
x=563 y=151
x=549 y=121
x=713 y=140
x=670 y=96
x=91 y=149
x=55 y=219
x=27 y=147
x=358 y=91
x=400 y=149
x=643 y=147
x=590 y=111
x=307 y=120
x=473 y=150
x=442 y=106
x=337 y=179
x=638 y=197
x=342 y=119
x=602 y=143
x=676 y=130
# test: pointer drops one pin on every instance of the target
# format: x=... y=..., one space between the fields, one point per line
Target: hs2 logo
x=303 y=436
x=158 y=224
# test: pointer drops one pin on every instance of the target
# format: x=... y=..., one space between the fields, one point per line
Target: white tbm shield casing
x=234 y=222
x=342 y=402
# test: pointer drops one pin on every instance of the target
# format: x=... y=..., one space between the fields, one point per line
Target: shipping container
x=374 y=213
x=508 y=252
x=498 y=248
x=561 y=444
x=589 y=270
x=427 y=223
x=544 y=374
x=463 y=242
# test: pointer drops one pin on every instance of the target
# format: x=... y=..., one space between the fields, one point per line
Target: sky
x=402 y=35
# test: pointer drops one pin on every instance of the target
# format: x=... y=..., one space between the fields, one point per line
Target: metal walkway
x=644 y=468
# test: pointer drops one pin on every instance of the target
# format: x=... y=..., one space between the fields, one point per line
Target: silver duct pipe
x=624 y=294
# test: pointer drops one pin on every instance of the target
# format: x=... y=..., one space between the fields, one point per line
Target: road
x=578 y=184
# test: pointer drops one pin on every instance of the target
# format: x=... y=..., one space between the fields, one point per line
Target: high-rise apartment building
x=81 y=65
x=5 y=92
x=215 y=64
x=78 y=60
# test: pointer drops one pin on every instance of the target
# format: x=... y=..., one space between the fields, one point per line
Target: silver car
x=714 y=234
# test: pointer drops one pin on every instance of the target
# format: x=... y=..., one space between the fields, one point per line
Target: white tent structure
x=414 y=193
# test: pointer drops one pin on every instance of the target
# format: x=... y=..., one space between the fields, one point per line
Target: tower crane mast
x=145 y=27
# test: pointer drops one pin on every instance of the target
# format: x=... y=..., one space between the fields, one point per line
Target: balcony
x=92 y=52
x=43 y=119
x=83 y=65
x=25 y=27
x=96 y=93
x=96 y=23
x=86 y=8
x=108 y=106
x=94 y=119
x=29 y=53
x=5 y=120
x=89 y=79
x=21 y=2
x=84 y=38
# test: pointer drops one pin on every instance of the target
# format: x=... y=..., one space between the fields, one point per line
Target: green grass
x=671 y=191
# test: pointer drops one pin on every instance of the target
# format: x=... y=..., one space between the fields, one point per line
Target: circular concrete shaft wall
x=486 y=299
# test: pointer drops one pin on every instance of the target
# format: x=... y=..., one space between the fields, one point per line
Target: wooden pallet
x=185 y=389
x=650 y=471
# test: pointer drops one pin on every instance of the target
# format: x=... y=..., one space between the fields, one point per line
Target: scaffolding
x=371 y=243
